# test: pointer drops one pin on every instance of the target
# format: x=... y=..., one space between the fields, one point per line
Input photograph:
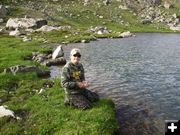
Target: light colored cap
x=75 y=51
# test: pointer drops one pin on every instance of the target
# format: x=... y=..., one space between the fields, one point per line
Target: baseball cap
x=75 y=51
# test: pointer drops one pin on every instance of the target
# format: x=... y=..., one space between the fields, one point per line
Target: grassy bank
x=44 y=113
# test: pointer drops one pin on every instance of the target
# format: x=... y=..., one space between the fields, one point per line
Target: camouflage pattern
x=75 y=96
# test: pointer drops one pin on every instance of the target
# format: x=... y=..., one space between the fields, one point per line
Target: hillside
x=82 y=15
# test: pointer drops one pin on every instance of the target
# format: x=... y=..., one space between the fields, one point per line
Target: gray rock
x=25 y=23
x=58 y=52
x=146 y=21
x=55 y=62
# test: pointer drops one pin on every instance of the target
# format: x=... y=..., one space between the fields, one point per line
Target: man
x=73 y=81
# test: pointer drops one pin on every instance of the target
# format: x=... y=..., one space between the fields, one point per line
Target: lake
x=140 y=74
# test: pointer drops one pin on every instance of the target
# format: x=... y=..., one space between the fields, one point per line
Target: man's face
x=75 y=58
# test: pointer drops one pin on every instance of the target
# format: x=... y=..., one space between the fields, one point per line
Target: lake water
x=140 y=74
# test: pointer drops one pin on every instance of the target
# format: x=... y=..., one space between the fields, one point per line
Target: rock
x=99 y=30
x=84 y=41
x=38 y=57
x=3 y=10
x=15 y=33
x=101 y=17
x=175 y=28
x=126 y=34
x=58 y=52
x=25 y=23
x=6 y=112
x=45 y=59
x=146 y=21
x=168 y=5
x=47 y=28
x=55 y=62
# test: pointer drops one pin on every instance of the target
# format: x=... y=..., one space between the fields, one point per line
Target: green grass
x=44 y=113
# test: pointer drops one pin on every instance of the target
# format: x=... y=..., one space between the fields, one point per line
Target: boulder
x=58 y=52
x=26 y=23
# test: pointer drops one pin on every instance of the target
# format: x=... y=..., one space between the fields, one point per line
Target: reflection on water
x=141 y=75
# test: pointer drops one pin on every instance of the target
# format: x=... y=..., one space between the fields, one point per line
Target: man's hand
x=83 y=84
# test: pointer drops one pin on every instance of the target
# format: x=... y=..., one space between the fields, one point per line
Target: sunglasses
x=77 y=55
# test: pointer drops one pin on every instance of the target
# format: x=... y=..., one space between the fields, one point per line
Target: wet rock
x=26 y=23
x=58 y=52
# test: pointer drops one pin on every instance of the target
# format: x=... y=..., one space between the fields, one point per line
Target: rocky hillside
x=87 y=17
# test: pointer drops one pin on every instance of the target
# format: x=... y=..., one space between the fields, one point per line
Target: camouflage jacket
x=71 y=74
